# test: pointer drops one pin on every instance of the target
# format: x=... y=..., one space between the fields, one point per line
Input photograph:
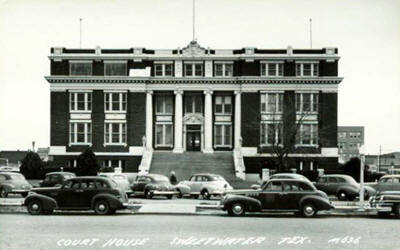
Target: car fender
x=112 y=200
x=350 y=190
x=320 y=202
x=150 y=187
x=185 y=189
x=47 y=202
x=210 y=187
x=6 y=187
x=251 y=204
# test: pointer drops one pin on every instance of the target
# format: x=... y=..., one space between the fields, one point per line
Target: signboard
x=265 y=174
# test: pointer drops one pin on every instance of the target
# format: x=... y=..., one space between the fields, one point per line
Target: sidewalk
x=206 y=208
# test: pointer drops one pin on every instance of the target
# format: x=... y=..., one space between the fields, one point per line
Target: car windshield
x=160 y=178
x=119 y=177
x=17 y=177
x=217 y=178
x=68 y=176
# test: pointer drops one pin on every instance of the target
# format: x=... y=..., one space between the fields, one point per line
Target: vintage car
x=386 y=202
x=279 y=195
x=121 y=180
x=56 y=179
x=207 y=185
x=13 y=183
x=81 y=193
x=387 y=183
x=149 y=185
x=344 y=187
x=281 y=176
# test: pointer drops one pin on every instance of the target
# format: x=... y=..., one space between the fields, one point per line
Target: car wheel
x=35 y=207
x=236 y=209
x=180 y=195
x=342 y=196
x=148 y=194
x=3 y=193
x=308 y=210
x=101 y=207
x=206 y=195
x=397 y=211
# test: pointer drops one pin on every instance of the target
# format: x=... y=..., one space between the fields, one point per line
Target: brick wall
x=136 y=118
x=59 y=123
x=251 y=119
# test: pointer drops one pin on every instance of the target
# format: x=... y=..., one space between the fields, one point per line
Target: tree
x=86 y=164
x=284 y=123
x=352 y=168
x=32 y=166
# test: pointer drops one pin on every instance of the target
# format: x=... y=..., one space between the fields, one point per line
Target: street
x=61 y=231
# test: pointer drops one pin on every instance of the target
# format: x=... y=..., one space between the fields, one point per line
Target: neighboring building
x=384 y=163
x=350 y=139
x=125 y=103
x=13 y=157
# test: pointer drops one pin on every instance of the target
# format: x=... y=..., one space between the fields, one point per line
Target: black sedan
x=150 y=185
x=82 y=193
x=279 y=195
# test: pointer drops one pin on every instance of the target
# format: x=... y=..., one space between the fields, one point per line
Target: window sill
x=80 y=111
x=271 y=145
x=306 y=145
x=115 y=144
x=115 y=112
x=80 y=144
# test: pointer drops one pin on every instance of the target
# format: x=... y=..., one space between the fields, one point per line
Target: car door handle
x=78 y=191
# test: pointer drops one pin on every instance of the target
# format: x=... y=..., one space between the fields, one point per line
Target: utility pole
x=379 y=158
x=310 y=33
x=80 y=33
x=362 y=166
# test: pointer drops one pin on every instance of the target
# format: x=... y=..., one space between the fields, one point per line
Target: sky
x=366 y=32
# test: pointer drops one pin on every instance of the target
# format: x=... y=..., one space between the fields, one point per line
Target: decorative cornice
x=184 y=80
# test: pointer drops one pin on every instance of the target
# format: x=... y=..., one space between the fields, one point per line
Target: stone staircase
x=189 y=163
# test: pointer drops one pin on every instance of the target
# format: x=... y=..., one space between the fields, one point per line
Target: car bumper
x=156 y=192
x=19 y=191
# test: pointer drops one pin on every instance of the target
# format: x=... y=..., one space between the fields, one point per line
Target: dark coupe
x=82 y=193
x=284 y=195
x=151 y=185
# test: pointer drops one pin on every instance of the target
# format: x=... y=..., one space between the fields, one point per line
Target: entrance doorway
x=193 y=138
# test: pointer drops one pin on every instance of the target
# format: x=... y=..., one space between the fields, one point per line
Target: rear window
x=17 y=177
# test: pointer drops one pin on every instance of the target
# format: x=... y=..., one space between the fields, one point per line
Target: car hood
x=20 y=184
x=45 y=190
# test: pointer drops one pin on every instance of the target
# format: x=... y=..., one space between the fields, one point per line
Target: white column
x=238 y=119
x=208 y=122
x=149 y=119
x=178 y=122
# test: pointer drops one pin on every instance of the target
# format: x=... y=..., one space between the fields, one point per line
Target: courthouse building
x=125 y=102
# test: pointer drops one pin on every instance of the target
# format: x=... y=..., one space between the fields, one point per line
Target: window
x=115 y=101
x=80 y=68
x=164 y=104
x=223 y=104
x=115 y=133
x=341 y=145
x=193 y=104
x=307 y=134
x=274 y=186
x=80 y=101
x=271 y=102
x=164 y=135
x=80 y=133
x=223 y=135
x=342 y=135
x=223 y=69
x=306 y=102
x=163 y=69
x=271 y=69
x=114 y=163
x=271 y=133
x=193 y=69
x=307 y=69
x=355 y=135
x=332 y=180
x=115 y=69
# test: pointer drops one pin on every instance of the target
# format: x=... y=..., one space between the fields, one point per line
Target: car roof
x=62 y=173
x=336 y=175
x=89 y=178
x=391 y=175
x=152 y=175
x=206 y=174
x=10 y=173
